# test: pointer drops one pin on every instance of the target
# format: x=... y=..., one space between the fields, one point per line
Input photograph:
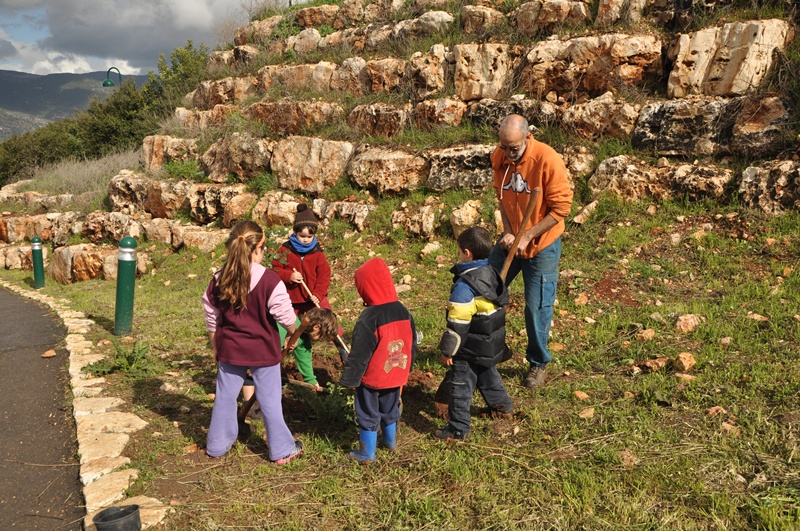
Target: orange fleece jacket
x=540 y=166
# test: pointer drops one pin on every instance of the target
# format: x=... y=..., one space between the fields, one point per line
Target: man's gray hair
x=515 y=121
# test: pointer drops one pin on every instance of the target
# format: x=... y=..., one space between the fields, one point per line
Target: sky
x=78 y=36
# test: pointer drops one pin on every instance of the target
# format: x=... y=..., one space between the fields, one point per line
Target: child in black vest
x=474 y=341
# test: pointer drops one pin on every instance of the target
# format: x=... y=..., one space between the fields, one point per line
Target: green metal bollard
x=126 y=275
x=38 y=262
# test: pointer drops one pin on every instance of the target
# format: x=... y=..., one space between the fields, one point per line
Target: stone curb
x=102 y=429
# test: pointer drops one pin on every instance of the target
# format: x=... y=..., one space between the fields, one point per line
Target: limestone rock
x=351 y=77
x=159 y=149
x=427 y=24
x=479 y=18
x=760 y=126
x=108 y=489
x=602 y=116
x=197 y=119
x=288 y=117
x=316 y=16
x=240 y=154
x=698 y=181
x=350 y=13
x=275 y=208
x=355 y=213
x=728 y=60
x=258 y=31
x=230 y=89
x=207 y=202
x=493 y=112
x=127 y=191
x=306 y=41
x=237 y=209
x=420 y=220
x=460 y=167
x=427 y=72
x=611 y=11
x=466 y=216
x=97 y=445
x=682 y=126
x=388 y=170
x=773 y=186
x=314 y=77
x=430 y=114
x=629 y=179
x=93 y=470
x=481 y=70
x=90 y=406
x=590 y=65
x=379 y=119
x=206 y=240
x=310 y=164
x=385 y=75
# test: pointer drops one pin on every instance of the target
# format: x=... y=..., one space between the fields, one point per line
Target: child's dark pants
x=464 y=378
x=377 y=406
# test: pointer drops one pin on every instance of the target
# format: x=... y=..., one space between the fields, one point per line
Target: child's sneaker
x=298 y=450
x=449 y=434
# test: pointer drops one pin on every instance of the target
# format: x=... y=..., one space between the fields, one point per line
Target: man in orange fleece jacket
x=520 y=164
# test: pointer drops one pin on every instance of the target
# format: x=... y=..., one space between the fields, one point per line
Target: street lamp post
x=108 y=82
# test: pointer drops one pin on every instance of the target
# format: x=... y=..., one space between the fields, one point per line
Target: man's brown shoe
x=535 y=377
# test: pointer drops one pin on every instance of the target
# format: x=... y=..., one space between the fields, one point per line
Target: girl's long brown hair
x=234 y=280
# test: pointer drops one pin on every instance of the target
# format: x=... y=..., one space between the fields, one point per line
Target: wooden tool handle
x=530 y=211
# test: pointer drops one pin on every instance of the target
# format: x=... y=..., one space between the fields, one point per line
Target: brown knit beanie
x=305 y=218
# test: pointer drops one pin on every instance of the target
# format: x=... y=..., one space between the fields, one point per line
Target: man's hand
x=506 y=241
x=523 y=243
x=297 y=277
x=447 y=362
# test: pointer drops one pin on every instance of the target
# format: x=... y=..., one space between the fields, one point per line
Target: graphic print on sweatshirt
x=517 y=184
x=396 y=357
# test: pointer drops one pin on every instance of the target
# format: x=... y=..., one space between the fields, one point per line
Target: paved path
x=39 y=472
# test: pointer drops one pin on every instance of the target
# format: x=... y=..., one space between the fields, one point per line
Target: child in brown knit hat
x=302 y=261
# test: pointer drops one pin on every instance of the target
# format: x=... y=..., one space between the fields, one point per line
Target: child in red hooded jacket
x=383 y=349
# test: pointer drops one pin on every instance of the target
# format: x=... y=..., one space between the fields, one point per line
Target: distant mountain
x=29 y=101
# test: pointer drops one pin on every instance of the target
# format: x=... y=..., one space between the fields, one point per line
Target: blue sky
x=76 y=36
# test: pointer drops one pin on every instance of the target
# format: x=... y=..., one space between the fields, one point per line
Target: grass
x=86 y=180
x=651 y=456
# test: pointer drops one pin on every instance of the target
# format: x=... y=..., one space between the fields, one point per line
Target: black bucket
x=125 y=518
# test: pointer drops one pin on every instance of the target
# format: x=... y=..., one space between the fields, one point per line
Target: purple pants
x=224 y=426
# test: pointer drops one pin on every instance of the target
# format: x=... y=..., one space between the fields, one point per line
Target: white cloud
x=56 y=62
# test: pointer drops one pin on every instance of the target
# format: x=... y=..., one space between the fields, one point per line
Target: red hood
x=374 y=283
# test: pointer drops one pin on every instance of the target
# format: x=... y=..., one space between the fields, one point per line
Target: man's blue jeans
x=540 y=275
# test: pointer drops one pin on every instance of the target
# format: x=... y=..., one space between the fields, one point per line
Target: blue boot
x=389 y=439
x=366 y=453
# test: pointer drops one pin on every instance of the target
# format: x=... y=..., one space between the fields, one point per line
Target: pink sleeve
x=279 y=306
x=212 y=313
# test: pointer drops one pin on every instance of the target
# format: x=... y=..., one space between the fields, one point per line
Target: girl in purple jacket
x=244 y=303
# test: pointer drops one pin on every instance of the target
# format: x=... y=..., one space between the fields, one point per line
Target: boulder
x=761 y=126
x=275 y=208
x=304 y=42
x=463 y=167
x=611 y=11
x=306 y=77
x=427 y=72
x=629 y=179
x=602 y=116
x=257 y=32
x=379 y=119
x=238 y=154
x=477 y=19
x=772 y=187
x=201 y=238
x=207 y=202
x=466 y=216
x=493 y=112
x=590 y=66
x=351 y=77
x=427 y=24
x=385 y=75
x=481 y=70
x=238 y=209
x=723 y=61
x=388 y=170
x=355 y=213
x=421 y=220
x=316 y=16
x=350 y=13
x=200 y=120
x=431 y=114
x=128 y=190
x=160 y=149
x=230 y=89
x=288 y=117
x=309 y=164
x=679 y=127
x=700 y=181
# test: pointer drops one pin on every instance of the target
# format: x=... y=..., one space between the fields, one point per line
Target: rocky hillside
x=642 y=98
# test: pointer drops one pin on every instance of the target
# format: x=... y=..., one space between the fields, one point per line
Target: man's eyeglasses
x=513 y=149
